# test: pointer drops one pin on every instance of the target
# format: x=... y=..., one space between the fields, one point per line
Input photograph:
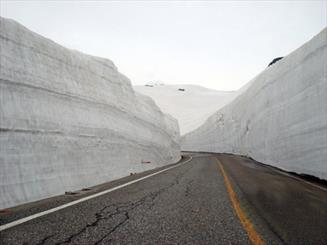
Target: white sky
x=216 y=44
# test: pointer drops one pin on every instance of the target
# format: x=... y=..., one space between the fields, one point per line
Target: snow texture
x=281 y=119
x=190 y=107
x=70 y=120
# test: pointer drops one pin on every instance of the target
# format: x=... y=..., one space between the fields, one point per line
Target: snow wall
x=70 y=120
x=280 y=119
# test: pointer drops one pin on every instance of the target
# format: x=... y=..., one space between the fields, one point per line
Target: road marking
x=248 y=226
x=34 y=216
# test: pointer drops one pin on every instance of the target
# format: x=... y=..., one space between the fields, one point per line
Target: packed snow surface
x=191 y=105
x=70 y=120
x=280 y=119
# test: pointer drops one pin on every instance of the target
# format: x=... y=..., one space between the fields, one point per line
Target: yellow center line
x=248 y=226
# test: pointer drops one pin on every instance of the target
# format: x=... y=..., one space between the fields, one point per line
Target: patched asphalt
x=185 y=205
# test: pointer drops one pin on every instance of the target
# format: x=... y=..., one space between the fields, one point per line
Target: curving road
x=208 y=199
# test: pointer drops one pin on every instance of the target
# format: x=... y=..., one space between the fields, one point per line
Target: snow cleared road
x=204 y=201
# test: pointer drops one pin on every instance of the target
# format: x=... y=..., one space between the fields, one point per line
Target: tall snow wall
x=70 y=120
x=280 y=119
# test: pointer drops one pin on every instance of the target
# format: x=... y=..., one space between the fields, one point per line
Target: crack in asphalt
x=45 y=239
x=99 y=216
x=119 y=209
x=152 y=196
x=114 y=228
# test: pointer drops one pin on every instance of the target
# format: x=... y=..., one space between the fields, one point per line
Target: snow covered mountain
x=69 y=120
x=280 y=119
x=191 y=105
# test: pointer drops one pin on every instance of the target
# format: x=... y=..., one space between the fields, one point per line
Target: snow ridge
x=191 y=105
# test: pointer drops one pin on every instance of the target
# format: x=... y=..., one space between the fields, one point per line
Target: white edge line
x=52 y=210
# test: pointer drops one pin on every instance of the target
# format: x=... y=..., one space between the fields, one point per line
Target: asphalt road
x=189 y=204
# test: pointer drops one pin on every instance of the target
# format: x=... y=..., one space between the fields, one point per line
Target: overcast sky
x=216 y=44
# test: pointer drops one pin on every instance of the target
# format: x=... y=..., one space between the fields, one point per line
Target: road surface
x=210 y=199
